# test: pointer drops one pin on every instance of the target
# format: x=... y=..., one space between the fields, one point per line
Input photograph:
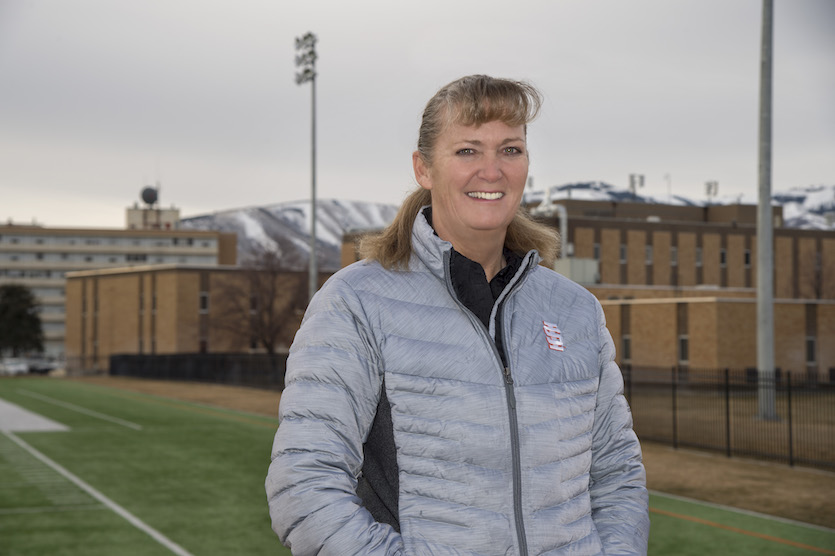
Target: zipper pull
x=511 y=397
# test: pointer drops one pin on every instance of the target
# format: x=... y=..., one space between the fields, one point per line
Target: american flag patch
x=554 y=336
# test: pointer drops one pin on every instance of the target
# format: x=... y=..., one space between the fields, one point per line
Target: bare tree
x=262 y=304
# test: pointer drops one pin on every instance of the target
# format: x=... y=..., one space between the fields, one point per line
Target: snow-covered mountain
x=811 y=207
x=286 y=226
x=600 y=191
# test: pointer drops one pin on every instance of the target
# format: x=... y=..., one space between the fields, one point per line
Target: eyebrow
x=506 y=141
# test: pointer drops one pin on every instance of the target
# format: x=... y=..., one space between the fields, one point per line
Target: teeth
x=487 y=196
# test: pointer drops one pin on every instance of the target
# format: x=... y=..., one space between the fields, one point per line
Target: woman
x=448 y=394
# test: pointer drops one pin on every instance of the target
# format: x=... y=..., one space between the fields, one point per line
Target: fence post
x=675 y=411
x=789 y=399
x=727 y=414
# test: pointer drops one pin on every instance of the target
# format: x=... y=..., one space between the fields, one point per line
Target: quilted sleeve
x=619 y=499
x=333 y=383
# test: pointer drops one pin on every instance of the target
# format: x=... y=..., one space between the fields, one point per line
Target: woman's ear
x=421 y=171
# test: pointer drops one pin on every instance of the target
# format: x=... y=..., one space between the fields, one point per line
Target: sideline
x=116 y=508
x=743 y=511
x=742 y=531
x=79 y=409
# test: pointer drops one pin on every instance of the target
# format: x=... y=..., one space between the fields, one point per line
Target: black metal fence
x=789 y=417
x=237 y=369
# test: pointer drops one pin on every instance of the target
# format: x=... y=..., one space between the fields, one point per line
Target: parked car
x=42 y=366
x=13 y=366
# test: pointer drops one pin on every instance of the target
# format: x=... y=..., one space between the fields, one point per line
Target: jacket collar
x=430 y=252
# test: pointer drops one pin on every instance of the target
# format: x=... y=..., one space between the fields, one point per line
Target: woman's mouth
x=486 y=196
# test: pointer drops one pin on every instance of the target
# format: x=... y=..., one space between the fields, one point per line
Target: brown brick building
x=166 y=309
x=678 y=283
x=40 y=257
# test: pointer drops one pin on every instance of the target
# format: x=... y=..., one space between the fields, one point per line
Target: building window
x=673 y=256
x=747 y=258
x=39 y=256
x=648 y=250
x=811 y=350
x=253 y=304
x=596 y=252
x=253 y=343
x=622 y=253
x=698 y=256
x=204 y=302
x=204 y=346
x=723 y=257
x=683 y=349
x=626 y=348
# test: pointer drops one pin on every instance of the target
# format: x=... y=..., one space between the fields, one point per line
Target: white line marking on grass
x=116 y=508
x=742 y=511
x=14 y=418
x=80 y=409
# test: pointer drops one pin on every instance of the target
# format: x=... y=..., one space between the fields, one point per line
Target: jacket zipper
x=510 y=395
x=517 y=463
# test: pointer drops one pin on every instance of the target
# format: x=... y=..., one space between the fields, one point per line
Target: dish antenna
x=150 y=195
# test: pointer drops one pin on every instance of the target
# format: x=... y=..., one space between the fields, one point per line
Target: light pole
x=767 y=404
x=306 y=61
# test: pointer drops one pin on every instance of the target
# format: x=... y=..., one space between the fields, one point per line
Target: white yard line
x=743 y=511
x=80 y=409
x=113 y=506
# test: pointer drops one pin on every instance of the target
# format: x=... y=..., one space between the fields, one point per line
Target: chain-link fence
x=787 y=417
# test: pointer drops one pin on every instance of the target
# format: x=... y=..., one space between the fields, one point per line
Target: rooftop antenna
x=711 y=190
x=635 y=181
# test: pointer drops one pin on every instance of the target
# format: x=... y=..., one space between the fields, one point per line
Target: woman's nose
x=490 y=169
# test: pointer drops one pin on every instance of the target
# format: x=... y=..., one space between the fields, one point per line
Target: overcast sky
x=99 y=98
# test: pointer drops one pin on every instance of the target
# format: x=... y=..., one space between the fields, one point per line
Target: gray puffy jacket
x=534 y=459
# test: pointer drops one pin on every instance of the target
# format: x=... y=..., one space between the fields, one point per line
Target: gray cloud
x=100 y=97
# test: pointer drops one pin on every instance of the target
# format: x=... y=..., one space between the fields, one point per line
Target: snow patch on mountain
x=285 y=227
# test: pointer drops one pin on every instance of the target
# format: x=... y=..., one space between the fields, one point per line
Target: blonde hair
x=471 y=100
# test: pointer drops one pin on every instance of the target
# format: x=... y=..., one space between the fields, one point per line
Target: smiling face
x=476 y=178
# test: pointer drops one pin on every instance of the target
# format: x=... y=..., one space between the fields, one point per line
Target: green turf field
x=145 y=475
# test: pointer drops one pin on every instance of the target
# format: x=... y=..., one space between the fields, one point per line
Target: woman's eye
x=466 y=151
x=512 y=150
